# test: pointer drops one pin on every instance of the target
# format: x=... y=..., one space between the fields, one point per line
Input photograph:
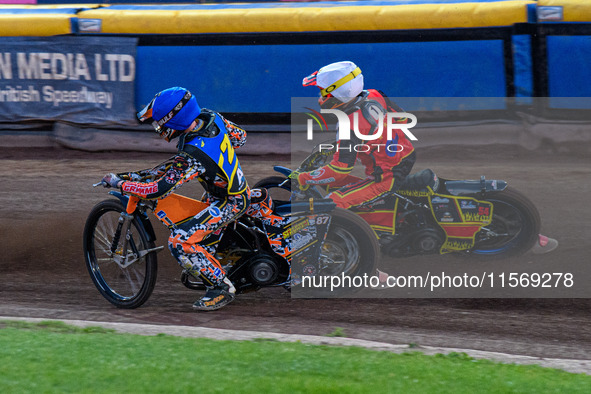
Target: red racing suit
x=193 y=241
x=386 y=162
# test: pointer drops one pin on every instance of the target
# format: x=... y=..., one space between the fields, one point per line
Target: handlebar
x=124 y=177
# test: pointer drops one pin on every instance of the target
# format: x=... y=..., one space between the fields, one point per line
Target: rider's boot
x=383 y=280
x=217 y=296
x=544 y=245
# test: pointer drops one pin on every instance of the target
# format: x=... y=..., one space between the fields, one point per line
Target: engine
x=426 y=240
x=248 y=274
x=257 y=271
x=263 y=270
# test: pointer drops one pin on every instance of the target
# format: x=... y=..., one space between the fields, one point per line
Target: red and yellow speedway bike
x=297 y=239
x=484 y=219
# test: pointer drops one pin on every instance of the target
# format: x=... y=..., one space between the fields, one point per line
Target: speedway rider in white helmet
x=341 y=87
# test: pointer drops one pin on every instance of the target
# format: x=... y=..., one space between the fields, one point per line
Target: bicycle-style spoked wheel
x=514 y=228
x=127 y=276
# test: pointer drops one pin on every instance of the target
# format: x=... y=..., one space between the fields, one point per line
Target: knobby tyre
x=350 y=250
x=125 y=287
x=516 y=223
x=351 y=247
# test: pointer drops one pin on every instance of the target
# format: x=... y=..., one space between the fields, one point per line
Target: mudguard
x=301 y=208
x=466 y=187
x=460 y=217
x=283 y=170
x=144 y=220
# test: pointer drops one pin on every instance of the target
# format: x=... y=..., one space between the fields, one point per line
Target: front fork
x=123 y=258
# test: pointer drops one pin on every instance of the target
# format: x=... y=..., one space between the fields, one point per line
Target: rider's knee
x=261 y=204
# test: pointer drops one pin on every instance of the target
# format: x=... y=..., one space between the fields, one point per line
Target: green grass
x=338 y=332
x=55 y=358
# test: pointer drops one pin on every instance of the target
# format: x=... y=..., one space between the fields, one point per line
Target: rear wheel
x=125 y=283
x=514 y=227
x=351 y=250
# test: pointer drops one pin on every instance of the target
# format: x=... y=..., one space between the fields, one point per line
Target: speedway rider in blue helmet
x=205 y=138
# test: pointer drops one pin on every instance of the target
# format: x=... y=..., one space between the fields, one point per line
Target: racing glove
x=295 y=181
x=112 y=180
x=130 y=176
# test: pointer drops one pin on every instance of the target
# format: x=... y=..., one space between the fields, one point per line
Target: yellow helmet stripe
x=340 y=82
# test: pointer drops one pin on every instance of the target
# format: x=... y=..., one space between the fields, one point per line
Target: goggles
x=310 y=80
x=167 y=133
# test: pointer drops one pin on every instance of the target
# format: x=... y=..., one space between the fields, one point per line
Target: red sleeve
x=341 y=165
x=328 y=174
x=338 y=169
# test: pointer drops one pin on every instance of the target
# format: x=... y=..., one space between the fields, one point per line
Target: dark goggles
x=167 y=133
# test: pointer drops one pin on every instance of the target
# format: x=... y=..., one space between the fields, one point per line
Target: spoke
x=101 y=242
x=506 y=225
x=107 y=260
x=134 y=271
x=122 y=281
x=111 y=224
x=105 y=228
x=107 y=252
x=129 y=280
x=102 y=238
x=139 y=275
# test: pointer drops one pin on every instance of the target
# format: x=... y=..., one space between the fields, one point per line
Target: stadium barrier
x=248 y=59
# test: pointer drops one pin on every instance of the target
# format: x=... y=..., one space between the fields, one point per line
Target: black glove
x=112 y=180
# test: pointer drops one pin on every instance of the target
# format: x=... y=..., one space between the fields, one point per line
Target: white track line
x=569 y=365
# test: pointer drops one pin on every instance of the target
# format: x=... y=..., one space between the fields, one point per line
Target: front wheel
x=514 y=227
x=126 y=278
x=278 y=189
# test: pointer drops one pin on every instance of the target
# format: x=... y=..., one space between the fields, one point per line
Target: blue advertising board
x=81 y=80
x=263 y=78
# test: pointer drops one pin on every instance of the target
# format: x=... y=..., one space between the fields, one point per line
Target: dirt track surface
x=46 y=195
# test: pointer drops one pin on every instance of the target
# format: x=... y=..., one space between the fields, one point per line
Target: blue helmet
x=171 y=111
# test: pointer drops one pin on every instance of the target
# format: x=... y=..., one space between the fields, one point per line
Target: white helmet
x=341 y=80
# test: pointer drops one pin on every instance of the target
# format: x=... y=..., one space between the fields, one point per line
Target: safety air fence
x=95 y=65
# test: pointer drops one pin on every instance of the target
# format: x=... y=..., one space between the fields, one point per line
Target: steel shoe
x=216 y=297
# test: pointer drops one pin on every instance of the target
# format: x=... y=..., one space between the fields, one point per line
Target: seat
x=420 y=181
